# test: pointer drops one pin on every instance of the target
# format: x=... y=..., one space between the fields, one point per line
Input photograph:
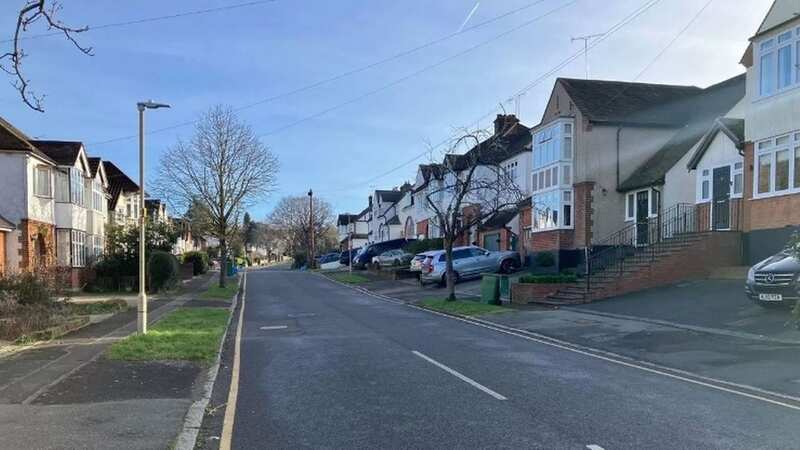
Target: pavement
x=65 y=394
x=351 y=370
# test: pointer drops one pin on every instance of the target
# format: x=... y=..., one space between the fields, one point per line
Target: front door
x=721 y=199
x=642 y=213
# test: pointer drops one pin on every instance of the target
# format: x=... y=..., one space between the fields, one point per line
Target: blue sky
x=242 y=55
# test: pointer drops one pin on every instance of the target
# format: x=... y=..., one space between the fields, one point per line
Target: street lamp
x=141 y=318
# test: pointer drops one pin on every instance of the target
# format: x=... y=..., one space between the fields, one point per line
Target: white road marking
x=233 y=393
x=276 y=327
x=594 y=447
x=460 y=376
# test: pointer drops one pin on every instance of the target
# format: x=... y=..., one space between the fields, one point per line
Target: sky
x=338 y=137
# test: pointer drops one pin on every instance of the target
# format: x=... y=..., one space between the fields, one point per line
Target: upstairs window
x=62 y=187
x=778 y=60
x=42 y=186
x=76 y=187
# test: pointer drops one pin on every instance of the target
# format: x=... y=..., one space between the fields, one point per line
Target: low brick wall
x=522 y=294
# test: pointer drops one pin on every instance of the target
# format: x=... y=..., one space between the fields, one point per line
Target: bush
x=199 y=261
x=424 y=245
x=300 y=260
x=163 y=271
x=25 y=289
x=545 y=259
x=548 y=279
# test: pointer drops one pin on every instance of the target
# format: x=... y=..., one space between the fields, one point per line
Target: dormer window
x=779 y=63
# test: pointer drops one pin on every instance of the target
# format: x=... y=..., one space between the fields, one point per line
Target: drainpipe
x=619 y=133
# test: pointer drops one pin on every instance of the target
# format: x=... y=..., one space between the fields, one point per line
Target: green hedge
x=199 y=261
x=163 y=271
x=548 y=279
x=544 y=259
x=424 y=245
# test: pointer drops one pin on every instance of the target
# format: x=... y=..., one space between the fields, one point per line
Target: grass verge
x=349 y=278
x=462 y=307
x=190 y=334
x=217 y=293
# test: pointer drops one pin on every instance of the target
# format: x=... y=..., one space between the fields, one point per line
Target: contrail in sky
x=469 y=16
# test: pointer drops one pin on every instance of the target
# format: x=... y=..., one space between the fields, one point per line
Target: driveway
x=715 y=304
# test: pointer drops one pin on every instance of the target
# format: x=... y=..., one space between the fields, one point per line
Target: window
x=777 y=166
x=764 y=169
x=767 y=74
x=552 y=177
x=655 y=202
x=41 y=182
x=778 y=58
x=98 y=245
x=738 y=179
x=62 y=187
x=704 y=189
x=63 y=245
x=785 y=61
x=76 y=187
x=630 y=206
x=79 y=248
x=97 y=196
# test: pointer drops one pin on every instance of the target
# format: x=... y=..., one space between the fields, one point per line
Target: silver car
x=468 y=262
x=416 y=262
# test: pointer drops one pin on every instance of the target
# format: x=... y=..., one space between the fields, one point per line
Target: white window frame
x=77 y=187
x=78 y=248
x=97 y=196
x=771 y=46
x=770 y=148
x=47 y=192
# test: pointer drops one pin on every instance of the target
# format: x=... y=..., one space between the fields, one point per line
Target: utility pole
x=586 y=40
x=350 y=242
x=311 y=228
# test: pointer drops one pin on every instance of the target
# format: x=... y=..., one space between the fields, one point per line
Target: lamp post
x=141 y=317
x=311 y=228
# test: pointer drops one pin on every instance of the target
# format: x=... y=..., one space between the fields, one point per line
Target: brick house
x=772 y=133
x=27 y=182
x=6 y=227
x=593 y=135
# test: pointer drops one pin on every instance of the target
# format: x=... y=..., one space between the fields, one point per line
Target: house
x=27 y=178
x=667 y=178
x=79 y=210
x=97 y=216
x=384 y=224
x=156 y=210
x=6 y=227
x=771 y=144
x=428 y=182
x=352 y=230
x=593 y=135
x=123 y=202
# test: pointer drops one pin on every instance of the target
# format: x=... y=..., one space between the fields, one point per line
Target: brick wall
x=695 y=262
x=422 y=228
x=37 y=244
x=522 y=294
x=584 y=214
x=552 y=240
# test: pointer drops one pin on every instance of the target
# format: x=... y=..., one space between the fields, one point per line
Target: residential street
x=354 y=371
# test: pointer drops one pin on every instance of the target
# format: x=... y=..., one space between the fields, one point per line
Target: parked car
x=395 y=258
x=468 y=262
x=773 y=282
x=370 y=251
x=416 y=262
x=346 y=255
x=327 y=258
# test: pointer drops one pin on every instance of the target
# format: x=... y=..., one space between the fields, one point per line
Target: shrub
x=199 y=261
x=26 y=289
x=300 y=260
x=163 y=271
x=548 y=279
x=545 y=259
x=424 y=245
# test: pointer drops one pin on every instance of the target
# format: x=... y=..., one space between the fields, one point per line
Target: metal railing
x=647 y=239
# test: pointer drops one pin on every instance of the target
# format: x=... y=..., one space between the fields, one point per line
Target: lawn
x=462 y=307
x=349 y=278
x=217 y=293
x=189 y=334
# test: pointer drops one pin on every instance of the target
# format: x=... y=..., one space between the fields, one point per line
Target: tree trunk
x=223 y=253
x=450 y=273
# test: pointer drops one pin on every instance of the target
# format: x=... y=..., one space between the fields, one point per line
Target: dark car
x=367 y=253
x=344 y=258
x=773 y=282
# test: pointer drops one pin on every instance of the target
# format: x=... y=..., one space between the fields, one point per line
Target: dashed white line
x=276 y=327
x=461 y=377
x=594 y=447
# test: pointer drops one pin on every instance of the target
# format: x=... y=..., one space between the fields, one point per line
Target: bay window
x=778 y=59
x=42 y=186
x=777 y=166
x=77 y=195
x=552 y=177
x=62 y=187
x=97 y=196
x=79 y=248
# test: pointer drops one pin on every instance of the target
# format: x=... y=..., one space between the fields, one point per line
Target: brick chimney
x=503 y=122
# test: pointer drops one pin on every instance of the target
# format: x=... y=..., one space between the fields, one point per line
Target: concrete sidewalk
x=64 y=394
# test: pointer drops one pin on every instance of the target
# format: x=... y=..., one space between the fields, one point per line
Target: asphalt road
x=353 y=371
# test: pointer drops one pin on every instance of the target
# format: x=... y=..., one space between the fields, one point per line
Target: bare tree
x=293 y=217
x=32 y=12
x=224 y=168
x=473 y=186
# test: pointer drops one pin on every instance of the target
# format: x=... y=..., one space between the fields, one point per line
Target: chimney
x=504 y=122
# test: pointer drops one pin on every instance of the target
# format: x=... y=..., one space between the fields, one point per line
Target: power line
x=619 y=25
x=344 y=74
x=149 y=19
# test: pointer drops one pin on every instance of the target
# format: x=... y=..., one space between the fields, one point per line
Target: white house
x=123 y=202
x=352 y=229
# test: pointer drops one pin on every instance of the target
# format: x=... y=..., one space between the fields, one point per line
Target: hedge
x=163 y=270
x=548 y=279
x=199 y=261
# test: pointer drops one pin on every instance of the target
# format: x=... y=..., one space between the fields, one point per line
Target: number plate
x=770 y=297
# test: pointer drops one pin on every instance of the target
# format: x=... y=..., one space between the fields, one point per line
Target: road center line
x=460 y=376
x=594 y=447
x=276 y=327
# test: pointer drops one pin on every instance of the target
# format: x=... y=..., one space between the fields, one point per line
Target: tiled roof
x=618 y=101
x=94 y=165
x=733 y=128
x=511 y=142
x=64 y=153
x=390 y=196
x=13 y=139
x=499 y=219
x=345 y=219
x=118 y=183
x=700 y=113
